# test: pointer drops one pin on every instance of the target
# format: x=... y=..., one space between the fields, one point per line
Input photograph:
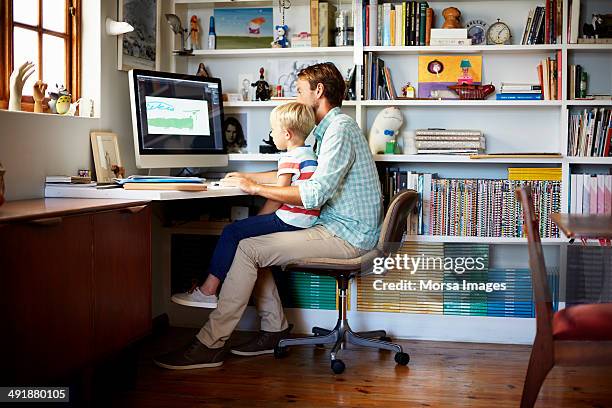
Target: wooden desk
x=584 y=226
x=75 y=284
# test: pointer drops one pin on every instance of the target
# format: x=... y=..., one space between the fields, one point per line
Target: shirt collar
x=319 y=131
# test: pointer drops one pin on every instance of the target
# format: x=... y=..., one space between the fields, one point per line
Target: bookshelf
x=510 y=126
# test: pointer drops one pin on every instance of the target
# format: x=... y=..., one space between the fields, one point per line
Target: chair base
x=340 y=336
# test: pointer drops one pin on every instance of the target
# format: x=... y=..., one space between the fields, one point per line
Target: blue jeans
x=223 y=256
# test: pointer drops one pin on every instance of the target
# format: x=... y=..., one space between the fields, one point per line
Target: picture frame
x=140 y=48
x=105 y=149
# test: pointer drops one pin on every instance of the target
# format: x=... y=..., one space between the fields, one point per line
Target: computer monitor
x=177 y=120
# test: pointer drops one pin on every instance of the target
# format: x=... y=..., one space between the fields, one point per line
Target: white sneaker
x=195 y=298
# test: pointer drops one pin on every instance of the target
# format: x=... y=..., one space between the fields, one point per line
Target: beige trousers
x=246 y=277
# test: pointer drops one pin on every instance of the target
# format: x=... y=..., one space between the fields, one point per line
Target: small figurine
x=118 y=171
x=18 y=79
x=596 y=28
x=262 y=88
x=54 y=97
x=281 y=37
x=452 y=17
x=194 y=32
x=39 y=95
x=268 y=147
x=202 y=71
x=408 y=91
x=385 y=129
x=465 y=78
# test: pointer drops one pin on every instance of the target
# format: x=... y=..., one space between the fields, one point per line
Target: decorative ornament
x=282 y=30
x=477 y=31
x=452 y=17
x=262 y=88
x=18 y=79
x=194 y=32
x=498 y=34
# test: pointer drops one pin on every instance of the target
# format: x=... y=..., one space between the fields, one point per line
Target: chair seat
x=584 y=322
x=328 y=266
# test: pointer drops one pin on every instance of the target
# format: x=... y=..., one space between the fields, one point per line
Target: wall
x=33 y=146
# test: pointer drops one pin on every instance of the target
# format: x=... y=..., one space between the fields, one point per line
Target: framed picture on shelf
x=105 y=150
x=250 y=27
x=139 y=49
x=234 y=132
x=437 y=73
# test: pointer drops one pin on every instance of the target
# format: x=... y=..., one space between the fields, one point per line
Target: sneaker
x=195 y=298
x=264 y=343
x=193 y=355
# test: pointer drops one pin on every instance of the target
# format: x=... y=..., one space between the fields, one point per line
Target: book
x=450 y=41
x=372 y=22
x=327 y=14
x=520 y=87
x=448 y=132
x=429 y=22
x=574 y=21
x=68 y=179
x=448 y=33
x=518 y=96
x=314 y=22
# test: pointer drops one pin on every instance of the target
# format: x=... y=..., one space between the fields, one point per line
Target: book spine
x=314 y=23
x=527 y=26
x=429 y=22
x=450 y=41
x=449 y=138
x=518 y=97
x=447 y=132
x=547 y=10
x=372 y=22
x=441 y=144
x=323 y=24
x=413 y=34
x=422 y=22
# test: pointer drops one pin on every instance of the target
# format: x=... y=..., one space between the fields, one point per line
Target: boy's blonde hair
x=294 y=116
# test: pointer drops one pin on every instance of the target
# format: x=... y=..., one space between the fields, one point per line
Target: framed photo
x=140 y=48
x=234 y=132
x=249 y=27
x=105 y=150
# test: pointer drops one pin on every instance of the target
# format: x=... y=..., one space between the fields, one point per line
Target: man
x=345 y=186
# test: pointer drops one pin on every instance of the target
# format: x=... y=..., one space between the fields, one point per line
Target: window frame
x=72 y=39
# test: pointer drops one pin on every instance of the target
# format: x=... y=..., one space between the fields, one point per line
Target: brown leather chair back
x=394 y=224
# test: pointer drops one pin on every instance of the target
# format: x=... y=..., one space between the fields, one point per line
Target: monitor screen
x=174 y=115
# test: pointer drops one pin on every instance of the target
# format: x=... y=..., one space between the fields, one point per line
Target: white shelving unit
x=510 y=126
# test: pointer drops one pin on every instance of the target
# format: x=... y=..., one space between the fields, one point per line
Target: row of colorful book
x=306 y=290
x=436 y=295
x=590 y=132
x=397 y=24
x=449 y=141
x=578 y=81
x=549 y=75
x=377 y=79
x=591 y=194
x=543 y=24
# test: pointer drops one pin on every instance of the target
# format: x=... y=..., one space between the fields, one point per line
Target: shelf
x=254 y=157
x=589 y=47
x=274 y=52
x=591 y=102
x=428 y=49
x=481 y=240
x=590 y=160
x=267 y=104
x=459 y=102
x=447 y=158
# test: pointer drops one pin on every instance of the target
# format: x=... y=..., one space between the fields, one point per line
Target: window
x=46 y=32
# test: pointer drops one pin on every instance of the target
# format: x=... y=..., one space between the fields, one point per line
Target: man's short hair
x=294 y=116
x=328 y=75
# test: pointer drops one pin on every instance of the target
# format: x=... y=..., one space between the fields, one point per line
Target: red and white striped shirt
x=301 y=163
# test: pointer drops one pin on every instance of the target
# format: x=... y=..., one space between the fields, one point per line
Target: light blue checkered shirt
x=345 y=183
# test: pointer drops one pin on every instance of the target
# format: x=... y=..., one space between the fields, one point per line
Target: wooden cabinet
x=74 y=288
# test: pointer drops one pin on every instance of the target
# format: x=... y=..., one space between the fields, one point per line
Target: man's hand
x=235 y=174
x=246 y=185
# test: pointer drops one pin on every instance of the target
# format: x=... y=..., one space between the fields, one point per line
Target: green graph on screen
x=175 y=123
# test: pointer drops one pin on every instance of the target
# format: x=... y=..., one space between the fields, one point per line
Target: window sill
x=44 y=114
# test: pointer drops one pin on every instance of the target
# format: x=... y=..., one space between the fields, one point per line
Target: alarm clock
x=476 y=31
x=498 y=34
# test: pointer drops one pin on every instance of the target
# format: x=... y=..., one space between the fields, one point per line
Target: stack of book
x=578 y=82
x=590 y=133
x=591 y=194
x=489 y=208
x=519 y=91
x=377 y=79
x=534 y=173
x=396 y=24
x=549 y=74
x=543 y=24
x=449 y=141
x=449 y=36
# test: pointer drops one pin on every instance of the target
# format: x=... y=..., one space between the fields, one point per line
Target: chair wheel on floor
x=402 y=358
x=386 y=338
x=280 y=352
x=337 y=366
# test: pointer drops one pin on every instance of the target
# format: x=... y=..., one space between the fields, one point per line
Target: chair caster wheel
x=386 y=338
x=402 y=358
x=337 y=366
x=280 y=352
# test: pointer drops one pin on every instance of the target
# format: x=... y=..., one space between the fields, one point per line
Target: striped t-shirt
x=301 y=163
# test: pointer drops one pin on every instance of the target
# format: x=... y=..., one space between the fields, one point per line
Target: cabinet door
x=122 y=277
x=45 y=298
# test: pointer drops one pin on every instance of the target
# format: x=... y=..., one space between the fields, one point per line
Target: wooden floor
x=440 y=374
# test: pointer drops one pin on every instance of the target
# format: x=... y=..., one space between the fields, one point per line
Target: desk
x=584 y=226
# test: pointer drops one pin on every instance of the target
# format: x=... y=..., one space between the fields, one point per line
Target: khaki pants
x=246 y=277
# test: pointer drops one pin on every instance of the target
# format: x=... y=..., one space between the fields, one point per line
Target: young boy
x=291 y=124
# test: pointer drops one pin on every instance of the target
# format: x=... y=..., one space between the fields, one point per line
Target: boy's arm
x=265 y=177
x=270 y=205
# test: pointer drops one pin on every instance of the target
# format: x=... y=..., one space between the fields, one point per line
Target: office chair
x=344 y=270
x=578 y=335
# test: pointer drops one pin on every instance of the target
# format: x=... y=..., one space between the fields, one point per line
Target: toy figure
x=194 y=32
x=262 y=88
x=408 y=91
x=385 y=129
x=54 y=96
x=281 y=37
x=452 y=17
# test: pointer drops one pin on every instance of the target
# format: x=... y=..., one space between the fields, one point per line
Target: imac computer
x=177 y=120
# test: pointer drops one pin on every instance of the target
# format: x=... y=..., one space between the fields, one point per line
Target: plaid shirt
x=345 y=184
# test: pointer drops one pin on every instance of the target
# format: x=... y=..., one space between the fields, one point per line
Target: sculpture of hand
x=39 y=95
x=18 y=79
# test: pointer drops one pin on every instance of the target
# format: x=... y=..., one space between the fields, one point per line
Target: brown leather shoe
x=263 y=343
x=190 y=356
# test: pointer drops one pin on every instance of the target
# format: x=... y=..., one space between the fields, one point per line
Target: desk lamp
x=175 y=23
